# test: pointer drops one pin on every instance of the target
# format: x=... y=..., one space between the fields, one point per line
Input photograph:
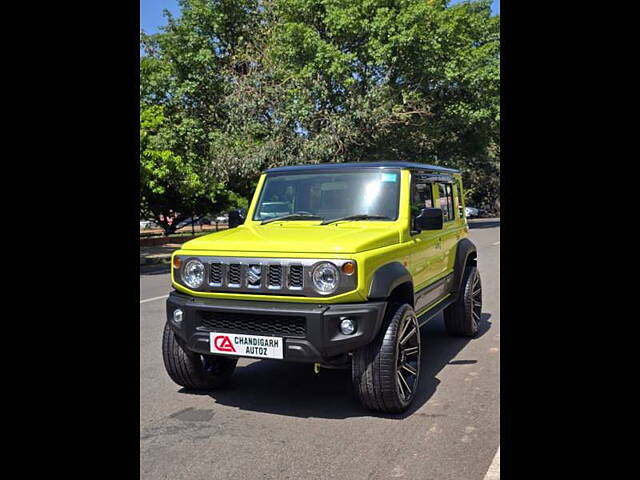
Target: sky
x=151 y=12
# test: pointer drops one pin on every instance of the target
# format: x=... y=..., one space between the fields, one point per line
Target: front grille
x=295 y=276
x=252 y=324
x=215 y=275
x=266 y=276
x=234 y=275
x=275 y=276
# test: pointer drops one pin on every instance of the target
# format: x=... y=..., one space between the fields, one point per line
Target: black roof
x=348 y=165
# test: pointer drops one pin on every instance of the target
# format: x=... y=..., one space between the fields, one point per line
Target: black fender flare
x=464 y=249
x=386 y=278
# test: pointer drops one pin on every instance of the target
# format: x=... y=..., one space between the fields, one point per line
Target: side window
x=458 y=189
x=452 y=206
x=421 y=197
x=446 y=201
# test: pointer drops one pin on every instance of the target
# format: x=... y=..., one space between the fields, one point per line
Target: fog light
x=347 y=326
x=177 y=315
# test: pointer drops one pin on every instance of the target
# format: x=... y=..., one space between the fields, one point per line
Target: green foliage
x=236 y=86
x=172 y=186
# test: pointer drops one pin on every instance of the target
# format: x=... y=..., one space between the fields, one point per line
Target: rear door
x=453 y=223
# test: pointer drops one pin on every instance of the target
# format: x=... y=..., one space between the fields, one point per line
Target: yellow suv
x=336 y=264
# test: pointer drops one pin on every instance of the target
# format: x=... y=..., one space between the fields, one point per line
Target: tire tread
x=185 y=368
x=373 y=372
x=458 y=317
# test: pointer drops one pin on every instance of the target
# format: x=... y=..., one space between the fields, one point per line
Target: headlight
x=326 y=278
x=193 y=273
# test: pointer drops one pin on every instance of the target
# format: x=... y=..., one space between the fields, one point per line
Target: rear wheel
x=193 y=370
x=463 y=317
x=385 y=373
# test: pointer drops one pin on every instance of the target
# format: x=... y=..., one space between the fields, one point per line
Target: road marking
x=494 y=469
x=497 y=243
x=154 y=298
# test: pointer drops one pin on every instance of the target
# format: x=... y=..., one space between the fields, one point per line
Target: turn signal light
x=348 y=268
x=177 y=262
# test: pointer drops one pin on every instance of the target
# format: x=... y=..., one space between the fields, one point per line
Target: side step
x=423 y=318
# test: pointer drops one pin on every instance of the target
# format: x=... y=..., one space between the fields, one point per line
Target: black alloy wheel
x=385 y=373
x=408 y=357
x=464 y=316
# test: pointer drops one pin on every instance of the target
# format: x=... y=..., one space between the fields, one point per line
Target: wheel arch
x=466 y=254
x=392 y=281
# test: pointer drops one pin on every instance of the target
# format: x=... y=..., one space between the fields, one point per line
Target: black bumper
x=316 y=337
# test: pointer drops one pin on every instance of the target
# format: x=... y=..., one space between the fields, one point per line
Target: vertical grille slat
x=295 y=276
x=274 y=277
x=215 y=274
x=233 y=276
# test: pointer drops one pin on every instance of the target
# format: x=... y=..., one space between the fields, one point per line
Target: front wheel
x=193 y=370
x=385 y=373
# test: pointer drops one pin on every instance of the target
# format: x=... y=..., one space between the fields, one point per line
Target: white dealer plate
x=246 y=345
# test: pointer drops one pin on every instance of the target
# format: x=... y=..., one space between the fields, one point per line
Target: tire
x=193 y=370
x=380 y=376
x=463 y=317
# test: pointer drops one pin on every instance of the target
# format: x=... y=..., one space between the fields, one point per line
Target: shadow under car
x=293 y=389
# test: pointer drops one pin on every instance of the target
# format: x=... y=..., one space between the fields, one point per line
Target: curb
x=156 y=260
x=161 y=257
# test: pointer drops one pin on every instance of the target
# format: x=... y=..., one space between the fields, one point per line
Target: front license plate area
x=246 y=345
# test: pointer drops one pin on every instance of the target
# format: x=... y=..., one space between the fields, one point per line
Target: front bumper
x=321 y=340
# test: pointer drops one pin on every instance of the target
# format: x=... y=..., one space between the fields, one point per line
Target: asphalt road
x=282 y=421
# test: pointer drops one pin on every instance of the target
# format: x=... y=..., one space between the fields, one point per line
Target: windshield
x=326 y=196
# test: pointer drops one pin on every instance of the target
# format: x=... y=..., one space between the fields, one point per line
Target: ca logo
x=223 y=343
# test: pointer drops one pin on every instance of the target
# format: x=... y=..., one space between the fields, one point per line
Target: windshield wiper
x=356 y=217
x=292 y=216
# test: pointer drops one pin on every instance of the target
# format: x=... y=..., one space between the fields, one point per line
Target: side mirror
x=429 y=219
x=236 y=218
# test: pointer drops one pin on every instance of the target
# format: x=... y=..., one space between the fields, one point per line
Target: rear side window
x=458 y=189
x=446 y=201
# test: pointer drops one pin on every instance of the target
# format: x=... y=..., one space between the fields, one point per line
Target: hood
x=293 y=237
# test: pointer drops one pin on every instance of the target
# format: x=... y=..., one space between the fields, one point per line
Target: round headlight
x=325 y=277
x=193 y=273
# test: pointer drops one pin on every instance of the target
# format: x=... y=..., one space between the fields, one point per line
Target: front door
x=426 y=259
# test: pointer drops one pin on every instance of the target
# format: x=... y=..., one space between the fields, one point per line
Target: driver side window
x=421 y=197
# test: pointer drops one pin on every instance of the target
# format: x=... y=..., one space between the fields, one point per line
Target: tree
x=172 y=188
x=394 y=80
x=250 y=84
